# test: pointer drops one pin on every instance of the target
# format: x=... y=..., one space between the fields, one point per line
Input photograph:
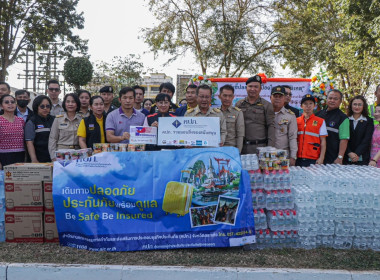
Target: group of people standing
x=80 y=120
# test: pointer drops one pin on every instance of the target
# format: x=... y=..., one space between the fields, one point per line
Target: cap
x=278 y=89
x=106 y=89
x=255 y=78
x=307 y=97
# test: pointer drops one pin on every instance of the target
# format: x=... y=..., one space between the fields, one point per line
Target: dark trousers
x=305 y=162
x=10 y=158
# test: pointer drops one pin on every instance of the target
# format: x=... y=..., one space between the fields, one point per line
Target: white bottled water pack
x=337 y=205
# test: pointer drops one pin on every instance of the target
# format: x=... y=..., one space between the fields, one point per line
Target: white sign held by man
x=143 y=135
x=189 y=131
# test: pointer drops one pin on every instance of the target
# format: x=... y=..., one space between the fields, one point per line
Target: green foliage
x=227 y=35
x=339 y=35
x=121 y=72
x=38 y=23
x=78 y=71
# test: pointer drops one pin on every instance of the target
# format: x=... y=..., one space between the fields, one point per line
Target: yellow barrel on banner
x=177 y=198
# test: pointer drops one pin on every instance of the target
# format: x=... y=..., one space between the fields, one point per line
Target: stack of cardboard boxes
x=29 y=215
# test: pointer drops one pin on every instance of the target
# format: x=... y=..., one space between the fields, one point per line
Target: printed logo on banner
x=199 y=142
x=176 y=123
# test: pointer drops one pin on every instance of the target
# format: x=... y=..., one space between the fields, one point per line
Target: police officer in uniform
x=63 y=133
x=258 y=118
x=234 y=118
x=204 y=93
x=106 y=93
x=285 y=124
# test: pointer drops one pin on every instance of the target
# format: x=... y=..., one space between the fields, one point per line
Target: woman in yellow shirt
x=91 y=130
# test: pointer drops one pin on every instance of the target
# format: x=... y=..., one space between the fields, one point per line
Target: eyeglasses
x=54 y=89
x=45 y=106
x=9 y=102
x=288 y=94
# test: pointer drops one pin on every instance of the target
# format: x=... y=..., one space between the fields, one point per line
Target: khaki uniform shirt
x=212 y=112
x=63 y=134
x=84 y=115
x=259 y=123
x=285 y=125
x=235 y=127
x=57 y=109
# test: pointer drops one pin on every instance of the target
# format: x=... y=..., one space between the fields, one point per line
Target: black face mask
x=22 y=103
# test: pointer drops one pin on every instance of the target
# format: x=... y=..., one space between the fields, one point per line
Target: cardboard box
x=24 y=196
x=28 y=172
x=48 y=196
x=24 y=227
x=50 y=228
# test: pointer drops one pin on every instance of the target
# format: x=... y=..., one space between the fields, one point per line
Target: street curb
x=17 y=271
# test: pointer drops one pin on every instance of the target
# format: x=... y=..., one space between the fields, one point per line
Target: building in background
x=152 y=83
x=182 y=82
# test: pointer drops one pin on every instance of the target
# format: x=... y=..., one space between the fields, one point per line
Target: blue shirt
x=120 y=123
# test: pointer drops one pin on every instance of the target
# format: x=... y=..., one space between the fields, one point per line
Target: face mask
x=22 y=103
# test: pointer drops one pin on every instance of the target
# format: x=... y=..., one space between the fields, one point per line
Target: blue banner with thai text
x=128 y=201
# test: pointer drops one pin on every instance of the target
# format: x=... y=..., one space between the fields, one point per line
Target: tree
x=78 y=71
x=37 y=23
x=227 y=35
x=333 y=34
x=121 y=72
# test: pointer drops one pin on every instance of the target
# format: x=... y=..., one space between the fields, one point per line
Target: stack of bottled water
x=276 y=220
x=2 y=207
x=337 y=206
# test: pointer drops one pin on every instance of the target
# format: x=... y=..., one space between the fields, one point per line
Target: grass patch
x=215 y=257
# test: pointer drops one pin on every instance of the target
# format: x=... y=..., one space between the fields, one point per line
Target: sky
x=113 y=28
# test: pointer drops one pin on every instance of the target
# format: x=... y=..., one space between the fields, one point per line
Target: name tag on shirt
x=91 y=127
x=63 y=125
x=40 y=126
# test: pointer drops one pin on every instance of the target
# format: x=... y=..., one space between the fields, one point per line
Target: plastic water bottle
x=276 y=200
x=261 y=199
x=282 y=200
x=289 y=199
x=268 y=239
x=254 y=199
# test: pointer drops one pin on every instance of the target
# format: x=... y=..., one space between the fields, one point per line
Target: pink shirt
x=11 y=135
x=375 y=147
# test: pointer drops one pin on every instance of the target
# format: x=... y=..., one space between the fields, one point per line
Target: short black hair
x=95 y=97
x=162 y=97
x=147 y=99
x=37 y=102
x=169 y=86
x=5 y=95
x=76 y=99
x=204 y=87
x=227 y=87
x=4 y=83
x=22 y=91
x=287 y=86
x=53 y=82
x=191 y=86
x=124 y=90
x=81 y=91
x=337 y=91
x=139 y=87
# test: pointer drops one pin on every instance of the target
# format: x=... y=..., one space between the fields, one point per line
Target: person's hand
x=126 y=135
x=221 y=144
x=338 y=161
x=372 y=163
x=354 y=157
x=35 y=161
x=292 y=162
x=319 y=161
x=53 y=159
x=155 y=124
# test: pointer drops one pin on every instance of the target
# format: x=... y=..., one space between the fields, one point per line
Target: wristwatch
x=340 y=157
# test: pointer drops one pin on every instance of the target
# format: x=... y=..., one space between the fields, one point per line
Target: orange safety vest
x=309 y=142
